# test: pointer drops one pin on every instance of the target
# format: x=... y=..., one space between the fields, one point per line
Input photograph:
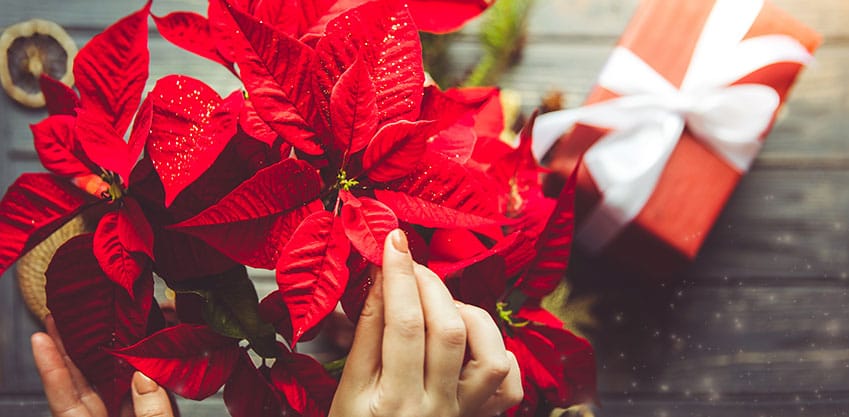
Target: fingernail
x=399 y=240
x=144 y=385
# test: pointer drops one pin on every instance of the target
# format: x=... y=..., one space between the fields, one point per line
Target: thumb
x=149 y=399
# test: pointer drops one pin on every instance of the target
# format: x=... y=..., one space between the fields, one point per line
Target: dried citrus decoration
x=30 y=49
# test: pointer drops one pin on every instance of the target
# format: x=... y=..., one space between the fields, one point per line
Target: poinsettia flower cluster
x=334 y=142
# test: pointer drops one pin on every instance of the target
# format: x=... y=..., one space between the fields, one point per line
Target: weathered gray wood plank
x=734 y=407
x=779 y=224
x=706 y=341
x=90 y=14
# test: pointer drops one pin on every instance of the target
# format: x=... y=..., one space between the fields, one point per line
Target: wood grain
x=756 y=327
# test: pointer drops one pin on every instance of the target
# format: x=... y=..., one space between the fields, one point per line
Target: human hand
x=70 y=395
x=409 y=347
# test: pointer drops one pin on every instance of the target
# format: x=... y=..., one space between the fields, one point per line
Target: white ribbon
x=650 y=115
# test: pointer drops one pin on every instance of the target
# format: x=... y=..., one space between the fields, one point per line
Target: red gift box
x=677 y=116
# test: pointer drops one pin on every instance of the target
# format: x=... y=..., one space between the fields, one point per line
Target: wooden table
x=758 y=326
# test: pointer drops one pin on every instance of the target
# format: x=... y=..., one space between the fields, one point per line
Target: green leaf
x=231 y=308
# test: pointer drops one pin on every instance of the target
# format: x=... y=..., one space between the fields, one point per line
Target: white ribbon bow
x=650 y=115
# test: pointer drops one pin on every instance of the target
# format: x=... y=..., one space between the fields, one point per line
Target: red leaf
x=102 y=144
x=54 y=142
x=454 y=245
x=443 y=16
x=395 y=150
x=94 y=316
x=312 y=272
x=317 y=14
x=273 y=310
x=561 y=364
x=518 y=168
x=110 y=71
x=507 y=245
x=425 y=213
x=60 y=98
x=440 y=180
x=254 y=126
x=383 y=34
x=249 y=394
x=482 y=284
x=122 y=240
x=251 y=223
x=188 y=134
x=367 y=222
x=275 y=69
x=191 y=32
x=448 y=107
x=33 y=208
x=305 y=384
x=553 y=247
x=353 y=110
x=191 y=360
x=141 y=130
x=456 y=142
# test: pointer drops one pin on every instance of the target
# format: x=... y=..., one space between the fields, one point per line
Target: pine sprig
x=502 y=36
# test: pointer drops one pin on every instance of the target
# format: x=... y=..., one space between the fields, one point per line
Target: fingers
x=149 y=399
x=86 y=394
x=508 y=394
x=364 y=358
x=445 y=336
x=489 y=365
x=403 y=337
x=62 y=396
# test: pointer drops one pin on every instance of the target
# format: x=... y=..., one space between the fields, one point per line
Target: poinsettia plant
x=334 y=142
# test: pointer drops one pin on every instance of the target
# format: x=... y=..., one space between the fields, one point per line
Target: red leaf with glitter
x=94 y=315
x=305 y=384
x=111 y=70
x=383 y=34
x=249 y=394
x=53 y=138
x=251 y=223
x=312 y=271
x=456 y=142
x=428 y=214
x=442 y=181
x=275 y=69
x=353 y=110
x=191 y=126
x=33 y=208
x=443 y=16
x=191 y=32
x=58 y=97
x=191 y=360
x=395 y=150
x=367 y=223
x=123 y=242
x=553 y=246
